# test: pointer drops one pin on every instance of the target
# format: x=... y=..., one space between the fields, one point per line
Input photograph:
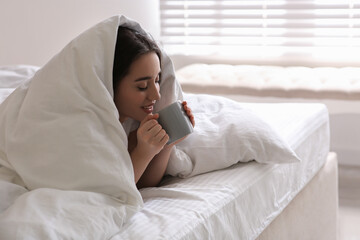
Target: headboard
x=34 y=31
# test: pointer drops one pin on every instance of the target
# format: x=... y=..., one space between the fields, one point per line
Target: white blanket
x=66 y=170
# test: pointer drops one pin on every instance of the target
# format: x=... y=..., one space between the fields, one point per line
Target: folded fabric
x=226 y=133
x=62 y=140
x=12 y=76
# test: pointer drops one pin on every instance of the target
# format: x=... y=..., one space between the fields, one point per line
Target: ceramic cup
x=175 y=121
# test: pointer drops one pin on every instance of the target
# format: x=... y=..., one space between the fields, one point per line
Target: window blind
x=316 y=28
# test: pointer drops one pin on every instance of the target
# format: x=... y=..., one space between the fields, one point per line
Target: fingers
x=149 y=122
x=189 y=113
x=155 y=129
x=162 y=137
x=192 y=120
x=149 y=117
x=151 y=131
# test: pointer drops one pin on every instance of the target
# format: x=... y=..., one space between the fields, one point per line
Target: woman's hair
x=130 y=45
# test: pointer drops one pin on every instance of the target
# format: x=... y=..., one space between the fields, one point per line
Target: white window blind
x=315 y=28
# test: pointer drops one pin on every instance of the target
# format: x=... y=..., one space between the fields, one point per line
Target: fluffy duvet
x=66 y=172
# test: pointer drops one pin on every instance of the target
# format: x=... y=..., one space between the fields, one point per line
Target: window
x=319 y=29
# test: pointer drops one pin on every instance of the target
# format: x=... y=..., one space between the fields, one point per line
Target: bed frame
x=313 y=213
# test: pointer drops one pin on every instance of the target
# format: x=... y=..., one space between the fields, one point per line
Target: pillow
x=226 y=132
x=13 y=76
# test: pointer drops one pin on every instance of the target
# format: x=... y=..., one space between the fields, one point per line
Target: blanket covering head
x=61 y=133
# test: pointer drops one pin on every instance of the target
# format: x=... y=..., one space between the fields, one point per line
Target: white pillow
x=226 y=133
x=13 y=76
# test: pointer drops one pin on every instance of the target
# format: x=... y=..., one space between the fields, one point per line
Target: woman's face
x=138 y=91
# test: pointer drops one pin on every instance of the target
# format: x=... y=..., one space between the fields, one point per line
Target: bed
x=246 y=200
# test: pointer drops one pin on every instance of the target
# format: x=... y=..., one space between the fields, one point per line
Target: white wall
x=32 y=31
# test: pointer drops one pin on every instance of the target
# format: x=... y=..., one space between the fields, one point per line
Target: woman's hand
x=189 y=113
x=153 y=140
x=151 y=137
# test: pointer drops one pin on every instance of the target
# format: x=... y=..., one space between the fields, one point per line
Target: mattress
x=313 y=213
x=241 y=201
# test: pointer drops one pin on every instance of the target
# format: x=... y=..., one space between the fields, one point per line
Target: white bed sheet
x=241 y=201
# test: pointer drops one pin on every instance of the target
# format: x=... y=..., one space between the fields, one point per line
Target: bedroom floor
x=349 y=200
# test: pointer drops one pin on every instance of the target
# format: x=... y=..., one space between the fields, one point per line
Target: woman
x=136 y=83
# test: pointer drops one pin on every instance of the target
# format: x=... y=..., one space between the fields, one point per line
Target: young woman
x=136 y=82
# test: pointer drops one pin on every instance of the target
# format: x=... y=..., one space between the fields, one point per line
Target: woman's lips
x=148 y=109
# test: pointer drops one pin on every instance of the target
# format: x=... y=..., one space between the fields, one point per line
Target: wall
x=34 y=31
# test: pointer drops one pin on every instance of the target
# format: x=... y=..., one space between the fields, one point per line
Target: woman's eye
x=158 y=79
x=142 y=88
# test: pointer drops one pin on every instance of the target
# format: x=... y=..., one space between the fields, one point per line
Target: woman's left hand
x=189 y=113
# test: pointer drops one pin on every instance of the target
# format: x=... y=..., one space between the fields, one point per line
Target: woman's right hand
x=151 y=137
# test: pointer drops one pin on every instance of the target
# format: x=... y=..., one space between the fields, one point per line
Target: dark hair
x=130 y=45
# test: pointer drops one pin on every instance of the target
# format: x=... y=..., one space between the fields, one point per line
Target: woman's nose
x=154 y=94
